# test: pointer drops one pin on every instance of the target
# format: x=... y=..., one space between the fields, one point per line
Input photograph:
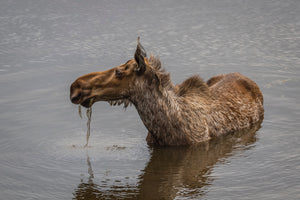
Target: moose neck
x=160 y=113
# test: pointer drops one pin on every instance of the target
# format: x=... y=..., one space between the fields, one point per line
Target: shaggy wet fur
x=196 y=111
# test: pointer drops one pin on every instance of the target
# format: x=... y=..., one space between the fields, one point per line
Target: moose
x=192 y=112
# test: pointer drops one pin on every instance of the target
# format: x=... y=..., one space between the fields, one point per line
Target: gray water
x=46 y=45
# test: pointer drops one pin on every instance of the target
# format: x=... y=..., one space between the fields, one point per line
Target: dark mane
x=192 y=85
x=162 y=74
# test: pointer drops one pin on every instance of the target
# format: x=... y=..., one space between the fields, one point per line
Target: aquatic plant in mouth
x=89 y=117
x=79 y=111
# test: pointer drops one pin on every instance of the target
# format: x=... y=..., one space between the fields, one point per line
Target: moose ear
x=139 y=56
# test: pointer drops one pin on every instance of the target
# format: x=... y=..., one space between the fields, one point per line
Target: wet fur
x=195 y=111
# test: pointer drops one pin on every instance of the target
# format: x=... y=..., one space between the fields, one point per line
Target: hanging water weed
x=89 y=117
x=79 y=111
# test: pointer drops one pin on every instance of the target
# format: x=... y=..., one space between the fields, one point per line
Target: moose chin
x=188 y=113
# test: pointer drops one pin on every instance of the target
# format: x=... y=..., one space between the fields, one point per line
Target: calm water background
x=45 y=45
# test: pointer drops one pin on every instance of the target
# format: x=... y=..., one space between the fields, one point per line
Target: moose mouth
x=88 y=102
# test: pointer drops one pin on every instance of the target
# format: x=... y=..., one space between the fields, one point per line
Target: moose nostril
x=75 y=93
x=75 y=97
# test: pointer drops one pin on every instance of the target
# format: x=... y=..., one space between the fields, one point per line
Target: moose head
x=116 y=84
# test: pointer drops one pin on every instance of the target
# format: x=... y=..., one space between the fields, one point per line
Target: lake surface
x=46 y=45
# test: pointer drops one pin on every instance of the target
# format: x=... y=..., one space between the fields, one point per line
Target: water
x=46 y=45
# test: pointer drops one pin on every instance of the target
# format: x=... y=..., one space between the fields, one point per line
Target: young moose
x=191 y=112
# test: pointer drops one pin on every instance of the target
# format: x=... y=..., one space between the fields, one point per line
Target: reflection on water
x=173 y=171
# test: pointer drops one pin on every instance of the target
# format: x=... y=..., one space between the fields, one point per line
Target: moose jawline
x=118 y=102
x=87 y=103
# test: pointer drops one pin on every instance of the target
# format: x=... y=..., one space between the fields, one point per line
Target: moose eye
x=118 y=73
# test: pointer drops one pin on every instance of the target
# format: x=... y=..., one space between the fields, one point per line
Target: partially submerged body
x=189 y=113
x=196 y=111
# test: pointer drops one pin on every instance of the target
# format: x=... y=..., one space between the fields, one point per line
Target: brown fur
x=189 y=113
x=192 y=86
